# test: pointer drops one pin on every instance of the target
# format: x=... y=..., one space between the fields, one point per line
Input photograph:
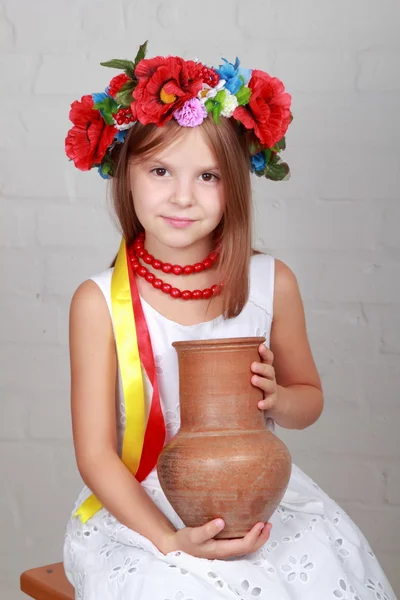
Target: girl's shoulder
x=103 y=281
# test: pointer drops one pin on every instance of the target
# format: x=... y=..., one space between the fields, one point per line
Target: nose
x=182 y=194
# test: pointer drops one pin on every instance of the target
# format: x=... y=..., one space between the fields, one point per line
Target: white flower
x=229 y=104
x=124 y=125
x=208 y=92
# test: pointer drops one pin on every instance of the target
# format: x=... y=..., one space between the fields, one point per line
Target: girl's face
x=182 y=182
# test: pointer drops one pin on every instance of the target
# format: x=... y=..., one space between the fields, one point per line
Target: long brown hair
x=235 y=229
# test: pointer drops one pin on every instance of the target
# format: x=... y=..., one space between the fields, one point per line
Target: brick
x=313 y=22
x=9 y=589
x=75 y=74
x=75 y=226
x=354 y=479
x=34 y=368
x=350 y=176
x=343 y=116
x=355 y=224
x=390 y=565
x=119 y=38
x=306 y=70
x=22 y=281
x=18 y=71
x=379 y=525
x=390 y=341
x=52 y=109
x=17 y=224
x=63 y=34
x=7 y=32
x=339 y=332
x=346 y=430
x=347 y=281
x=12 y=130
x=393 y=484
x=50 y=416
x=65 y=272
x=334 y=372
x=12 y=414
x=29 y=321
x=379 y=380
x=68 y=477
x=389 y=234
x=178 y=14
x=87 y=187
x=34 y=184
x=378 y=70
x=306 y=178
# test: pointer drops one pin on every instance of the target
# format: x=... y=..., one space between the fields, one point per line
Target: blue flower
x=103 y=175
x=120 y=136
x=231 y=73
x=99 y=97
x=258 y=161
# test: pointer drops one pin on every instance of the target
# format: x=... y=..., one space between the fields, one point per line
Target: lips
x=178 y=219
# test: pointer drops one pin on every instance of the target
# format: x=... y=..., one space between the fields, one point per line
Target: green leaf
x=209 y=104
x=216 y=113
x=107 y=107
x=125 y=65
x=141 y=54
x=267 y=154
x=253 y=143
x=279 y=146
x=220 y=96
x=275 y=159
x=107 y=166
x=277 y=172
x=243 y=95
x=124 y=95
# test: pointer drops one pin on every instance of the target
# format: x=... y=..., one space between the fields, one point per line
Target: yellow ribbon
x=131 y=375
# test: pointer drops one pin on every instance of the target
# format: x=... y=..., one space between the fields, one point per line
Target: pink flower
x=192 y=113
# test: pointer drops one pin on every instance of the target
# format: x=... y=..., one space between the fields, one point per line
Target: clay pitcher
x=224 y=461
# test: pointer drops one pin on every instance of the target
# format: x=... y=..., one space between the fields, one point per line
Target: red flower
x=164 y=85
x=116 y=84
x=87 y=142
x=210 y=76
x=268 y=111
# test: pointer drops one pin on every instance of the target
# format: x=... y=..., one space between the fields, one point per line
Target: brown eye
x=160 y=171
x=208 y=177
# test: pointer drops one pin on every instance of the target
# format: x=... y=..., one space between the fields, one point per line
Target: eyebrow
x=157 y=159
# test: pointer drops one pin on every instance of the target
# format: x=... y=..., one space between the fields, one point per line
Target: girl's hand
x=200 y=542
x=265 y=378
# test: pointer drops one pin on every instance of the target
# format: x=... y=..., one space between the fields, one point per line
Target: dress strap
x=262 y=280
x=103 y=280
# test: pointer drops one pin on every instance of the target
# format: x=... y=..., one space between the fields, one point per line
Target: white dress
x=315 y=551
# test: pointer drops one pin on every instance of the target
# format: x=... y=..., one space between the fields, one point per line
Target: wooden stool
x=47 y=583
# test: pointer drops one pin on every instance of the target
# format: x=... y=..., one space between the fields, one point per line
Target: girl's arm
x=93 y=389
x=93 y=386
x=300 y=395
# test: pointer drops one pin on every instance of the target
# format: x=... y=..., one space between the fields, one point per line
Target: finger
x=266 y=354
x=266 y=385
x=263 y=538
x=236 y=547
x=263 y=369
x=206 y=532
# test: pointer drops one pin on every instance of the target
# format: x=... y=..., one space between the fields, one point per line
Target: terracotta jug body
x=224 y=461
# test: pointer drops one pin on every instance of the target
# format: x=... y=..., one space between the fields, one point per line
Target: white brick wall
x=336 y=223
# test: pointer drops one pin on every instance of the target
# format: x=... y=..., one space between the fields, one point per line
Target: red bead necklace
x=137 y=251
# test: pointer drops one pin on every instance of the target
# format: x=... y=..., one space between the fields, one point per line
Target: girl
x=179 y=140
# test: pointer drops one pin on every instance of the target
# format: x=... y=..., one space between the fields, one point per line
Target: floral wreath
x=158 y=89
